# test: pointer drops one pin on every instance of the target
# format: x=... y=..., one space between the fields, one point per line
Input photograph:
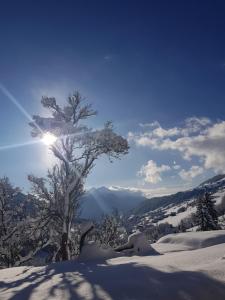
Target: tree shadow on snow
x=73 y=280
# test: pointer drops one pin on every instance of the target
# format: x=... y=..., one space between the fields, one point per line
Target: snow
x=175 y=220
x=197 y=274
x=92 y=251
x=172 y=215
x=190 y=241
x=140 y=243
x=137 y=244
x=218 y=196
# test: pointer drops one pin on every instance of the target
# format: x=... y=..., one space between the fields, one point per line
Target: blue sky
x=138 y=62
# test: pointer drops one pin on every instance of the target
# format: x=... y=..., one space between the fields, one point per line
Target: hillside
x=178 y=274
x=212 y=185
x=176 y=207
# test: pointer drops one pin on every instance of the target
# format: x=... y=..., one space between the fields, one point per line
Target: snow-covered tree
x=206 y=215
x=21 y=237
x=8 y=222
x=77 y=148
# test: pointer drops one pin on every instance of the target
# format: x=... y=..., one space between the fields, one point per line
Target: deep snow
x=178 y=274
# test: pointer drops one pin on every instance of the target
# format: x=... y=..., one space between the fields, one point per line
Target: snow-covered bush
x=186 y=223
x=155 y=232
x=110 y=231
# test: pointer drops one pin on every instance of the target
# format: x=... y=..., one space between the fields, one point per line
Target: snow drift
x=194 y=240
x=185 y=275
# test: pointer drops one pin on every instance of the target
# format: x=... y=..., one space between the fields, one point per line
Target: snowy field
x=190 y=266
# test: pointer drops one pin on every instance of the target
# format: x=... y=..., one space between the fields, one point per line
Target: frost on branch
x=64 y=120
x=77 y=149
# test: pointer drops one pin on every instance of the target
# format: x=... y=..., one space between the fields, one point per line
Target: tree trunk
x=65 y=251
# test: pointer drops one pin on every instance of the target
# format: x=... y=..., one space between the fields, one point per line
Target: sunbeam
x=19 y=145
x=6 y=92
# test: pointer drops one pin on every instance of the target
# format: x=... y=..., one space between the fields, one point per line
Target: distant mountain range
x=99 y=201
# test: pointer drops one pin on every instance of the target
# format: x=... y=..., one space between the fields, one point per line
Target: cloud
x=156 y=191
x=152 y=173
x=199 y=138
x=194 y=171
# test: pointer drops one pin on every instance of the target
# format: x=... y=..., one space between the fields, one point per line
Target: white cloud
x=152 y=173
x=194 y=124
x=161 y=132
x=199 y=138
x=155 y=192
x=188 y=175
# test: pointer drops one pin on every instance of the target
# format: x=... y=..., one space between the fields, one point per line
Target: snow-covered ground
x=178 y=273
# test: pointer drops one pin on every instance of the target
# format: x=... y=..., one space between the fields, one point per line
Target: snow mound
x=140 y=244
x=94 y=251
x=137 y=245
x=194 y=240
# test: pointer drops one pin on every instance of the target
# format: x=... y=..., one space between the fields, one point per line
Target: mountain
x=95 y=202
x=103 y=200
x=212 y=185
x=173 y=208
x=214 y=180
x=99 y=201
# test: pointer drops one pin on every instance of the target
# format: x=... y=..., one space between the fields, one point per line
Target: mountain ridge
x=211 y=185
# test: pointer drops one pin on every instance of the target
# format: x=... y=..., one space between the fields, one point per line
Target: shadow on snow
x=103 y=281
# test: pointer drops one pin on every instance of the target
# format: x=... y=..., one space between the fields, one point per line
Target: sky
x=154 y=68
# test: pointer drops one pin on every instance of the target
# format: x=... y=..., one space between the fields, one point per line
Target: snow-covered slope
x=197 y=274
x=174 y=208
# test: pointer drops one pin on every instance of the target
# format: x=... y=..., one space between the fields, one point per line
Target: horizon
x=156 y=70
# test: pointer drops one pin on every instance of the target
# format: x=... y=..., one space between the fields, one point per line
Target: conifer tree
x=206 y=215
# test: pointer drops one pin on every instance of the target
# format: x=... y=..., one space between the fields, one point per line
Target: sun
x=48 y=138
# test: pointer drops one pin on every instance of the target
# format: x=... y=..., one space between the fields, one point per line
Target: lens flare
x=48 y=138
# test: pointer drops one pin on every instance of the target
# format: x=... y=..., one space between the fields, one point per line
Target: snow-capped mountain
x=99 y=201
